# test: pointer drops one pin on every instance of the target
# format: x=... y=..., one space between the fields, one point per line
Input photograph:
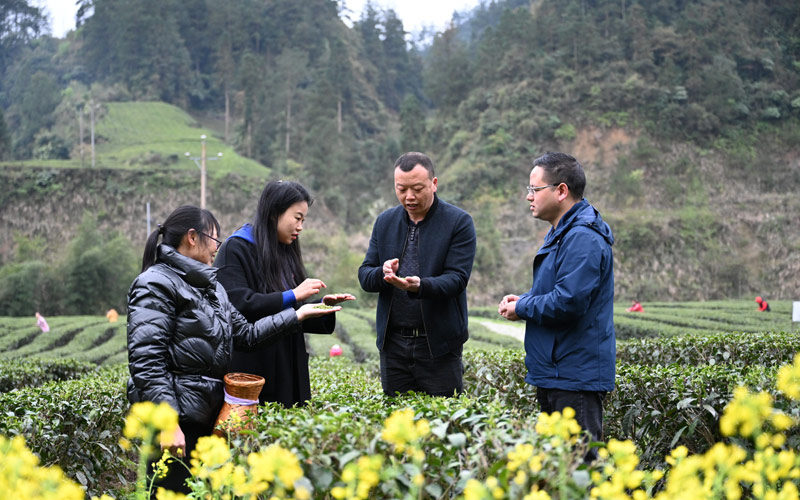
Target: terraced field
x=93 y=339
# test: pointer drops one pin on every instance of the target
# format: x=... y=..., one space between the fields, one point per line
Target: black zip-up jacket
x=182 y=330
x=446 y=253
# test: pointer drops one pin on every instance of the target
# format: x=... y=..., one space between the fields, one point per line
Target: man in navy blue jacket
x=419 y=261
x=569 y=311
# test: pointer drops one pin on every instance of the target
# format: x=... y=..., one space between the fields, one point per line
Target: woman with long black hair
x=182 y=329
x=261 y=267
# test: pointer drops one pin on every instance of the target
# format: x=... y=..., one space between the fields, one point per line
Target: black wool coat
x=283 y=364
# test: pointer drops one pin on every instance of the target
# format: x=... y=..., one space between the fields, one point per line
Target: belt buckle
x=411 y=332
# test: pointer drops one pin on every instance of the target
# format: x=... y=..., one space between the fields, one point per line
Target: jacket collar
x=245 y=232
x=428 y=215
x=581 y=214
x=195 y=273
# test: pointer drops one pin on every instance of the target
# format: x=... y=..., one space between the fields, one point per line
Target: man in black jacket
x=419 y=261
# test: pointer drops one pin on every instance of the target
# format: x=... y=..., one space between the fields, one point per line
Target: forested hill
x=685 y=115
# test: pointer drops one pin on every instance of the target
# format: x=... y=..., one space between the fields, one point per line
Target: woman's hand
x=315 y=311
x=309 y=287
x=175 y=443
x=334 y=298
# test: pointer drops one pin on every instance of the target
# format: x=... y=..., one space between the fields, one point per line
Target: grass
x=155 y=135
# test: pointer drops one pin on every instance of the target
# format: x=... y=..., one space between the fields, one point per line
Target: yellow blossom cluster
x=618 y=479
x=359 y=478
x=401 y=430
x=21 y=474
x=523 y=454
x=277 y=468
x=559 y=426
x=144 y=420
x=273 y=469
x=789 y=379
x=770 y=471
x=492 y=489
x=211 y=461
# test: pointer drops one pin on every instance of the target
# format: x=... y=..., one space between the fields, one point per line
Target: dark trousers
x=407 y=365
x=179 y=473
x=588 y=406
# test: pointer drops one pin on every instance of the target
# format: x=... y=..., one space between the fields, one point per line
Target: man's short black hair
x=561 y=167
x=408 y=161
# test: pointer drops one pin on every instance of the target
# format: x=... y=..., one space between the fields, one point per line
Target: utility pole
x=203 y=172
x=80 y=132
x=200 y=161
x=91 y=113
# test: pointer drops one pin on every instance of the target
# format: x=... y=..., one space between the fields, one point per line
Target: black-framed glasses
x=536 y=189
x=219 y=243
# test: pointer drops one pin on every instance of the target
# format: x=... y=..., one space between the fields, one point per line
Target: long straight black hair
x=175 y=227
x=281 y=265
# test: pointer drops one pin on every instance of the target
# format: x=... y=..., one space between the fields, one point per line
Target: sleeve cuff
x=289 y=300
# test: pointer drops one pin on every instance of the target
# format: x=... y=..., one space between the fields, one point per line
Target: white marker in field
x=796 y=312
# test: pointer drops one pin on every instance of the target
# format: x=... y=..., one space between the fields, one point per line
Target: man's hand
x=508 y=307
x=390 y=267
x=409 y=283
x=309 y=287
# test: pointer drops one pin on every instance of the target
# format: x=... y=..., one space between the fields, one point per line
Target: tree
x=20 y=23
x=412 y=124
x=448 y=72
x=5 y=138
x=139 y=45
x=292 y=67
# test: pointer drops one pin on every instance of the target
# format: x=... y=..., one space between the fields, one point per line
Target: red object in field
x=336 y=350
x=636 y=307
x=762 y=304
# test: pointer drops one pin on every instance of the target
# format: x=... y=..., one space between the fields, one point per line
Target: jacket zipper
x=389 y=312
x=421 y=310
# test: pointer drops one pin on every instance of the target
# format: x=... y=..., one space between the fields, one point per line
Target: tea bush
x=18 y=374
x=737 y=349
x=75 y=424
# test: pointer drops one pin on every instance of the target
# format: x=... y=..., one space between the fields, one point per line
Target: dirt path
x=512 y=329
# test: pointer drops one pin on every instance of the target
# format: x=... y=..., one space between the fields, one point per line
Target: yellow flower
x=537 y=495
x=401 y=430
x=163 y=494
x=145 y=417
x=302 y=494
x=559 y=426
x=273 y=463
x=789 y=379
x=519 y=455
x=535 y=463
x=474 y=490
x=209 y=453
x=745 y=413
x=22 y=477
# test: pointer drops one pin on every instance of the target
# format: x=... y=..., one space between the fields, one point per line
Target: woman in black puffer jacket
x=182 y=329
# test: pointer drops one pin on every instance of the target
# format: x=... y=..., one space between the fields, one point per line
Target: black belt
x=408 y=332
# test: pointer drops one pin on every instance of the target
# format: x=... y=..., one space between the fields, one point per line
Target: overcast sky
x=415 y=13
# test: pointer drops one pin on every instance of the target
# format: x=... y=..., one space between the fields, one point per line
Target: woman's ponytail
x=150 y=249
x=175 y=227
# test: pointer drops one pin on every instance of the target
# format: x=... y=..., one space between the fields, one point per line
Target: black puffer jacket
x=181 y=332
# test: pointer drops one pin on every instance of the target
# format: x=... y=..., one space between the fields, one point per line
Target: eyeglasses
x=536 y=189
x=211 y=237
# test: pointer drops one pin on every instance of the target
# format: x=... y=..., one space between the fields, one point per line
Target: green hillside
x=155 y=135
